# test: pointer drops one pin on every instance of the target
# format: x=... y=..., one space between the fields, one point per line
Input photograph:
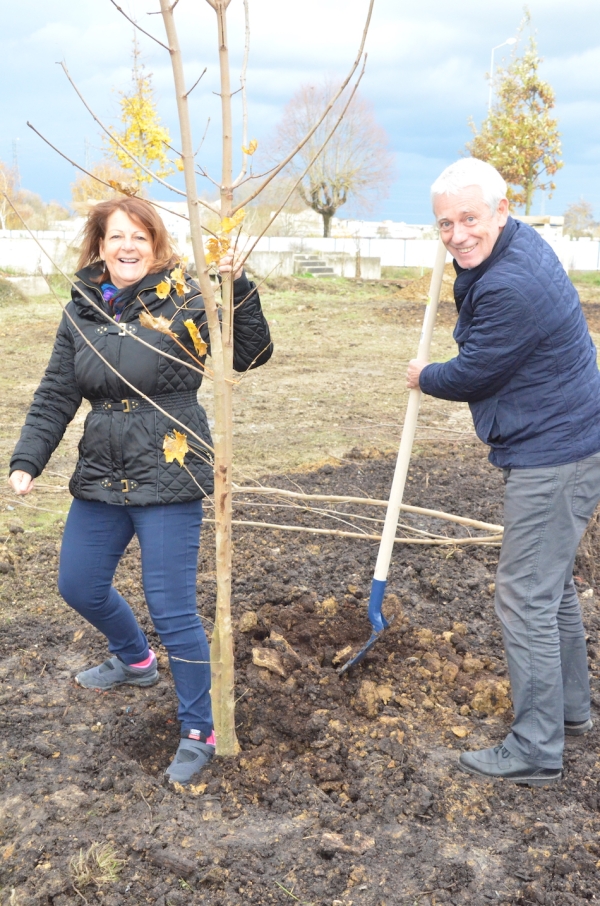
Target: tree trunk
x=326 y=224
x=221 y=651
x=221 y=343
x=530 y=191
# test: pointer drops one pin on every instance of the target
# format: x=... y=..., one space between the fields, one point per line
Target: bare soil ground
x=346 y=790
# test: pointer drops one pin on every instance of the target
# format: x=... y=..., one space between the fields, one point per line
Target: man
x=527 y=367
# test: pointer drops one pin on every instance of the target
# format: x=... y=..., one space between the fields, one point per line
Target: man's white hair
x=470 y=171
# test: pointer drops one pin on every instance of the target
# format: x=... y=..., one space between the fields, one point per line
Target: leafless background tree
x=356 y=166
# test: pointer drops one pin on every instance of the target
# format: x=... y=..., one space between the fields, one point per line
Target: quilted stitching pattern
x=158 y=481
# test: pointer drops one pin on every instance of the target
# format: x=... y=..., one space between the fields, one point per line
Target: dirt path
x=346 y=790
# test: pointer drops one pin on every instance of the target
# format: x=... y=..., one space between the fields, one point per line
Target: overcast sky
x=425 y=77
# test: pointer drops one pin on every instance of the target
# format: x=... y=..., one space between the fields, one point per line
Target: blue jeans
x=546 y=511
x=95 y=537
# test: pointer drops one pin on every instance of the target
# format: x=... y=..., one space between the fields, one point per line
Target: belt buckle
x=125 y=483
x=127 y=405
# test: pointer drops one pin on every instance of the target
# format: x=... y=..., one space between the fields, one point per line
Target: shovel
x=378 y=621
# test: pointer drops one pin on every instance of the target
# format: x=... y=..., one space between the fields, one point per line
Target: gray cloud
x=425 y=76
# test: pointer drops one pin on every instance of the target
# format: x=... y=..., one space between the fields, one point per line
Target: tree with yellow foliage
x=519 y=136
x=142 y=135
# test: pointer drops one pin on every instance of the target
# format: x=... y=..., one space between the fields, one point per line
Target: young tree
x=579 y=219
x=519 y=136
x=356 y=165
x=230 y=211
x=143 y=139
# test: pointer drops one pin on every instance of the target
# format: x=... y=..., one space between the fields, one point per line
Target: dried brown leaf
x=162 y=324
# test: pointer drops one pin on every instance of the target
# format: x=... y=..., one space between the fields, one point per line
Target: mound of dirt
x=418 y=290
x=345 y=791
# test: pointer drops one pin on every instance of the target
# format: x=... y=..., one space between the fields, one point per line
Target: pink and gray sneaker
x=194 y=752
x=114 y=672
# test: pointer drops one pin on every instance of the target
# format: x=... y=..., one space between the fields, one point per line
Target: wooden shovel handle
x=392 y=515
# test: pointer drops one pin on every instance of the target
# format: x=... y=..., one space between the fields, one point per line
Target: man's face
x=467 y=226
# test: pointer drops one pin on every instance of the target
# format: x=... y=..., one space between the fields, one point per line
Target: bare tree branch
x=203 y=137
x=134 y=23
x=370 y=501
x=312 y=131
x=187 y=94
x=137 y=162
x=243 y=74
x=491 y=540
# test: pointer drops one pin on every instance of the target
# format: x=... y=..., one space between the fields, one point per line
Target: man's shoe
x=578 y=727
x=191 y=756
x=499 y=762
x=114 y=672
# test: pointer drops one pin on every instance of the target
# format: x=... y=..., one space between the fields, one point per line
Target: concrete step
x=320 y=271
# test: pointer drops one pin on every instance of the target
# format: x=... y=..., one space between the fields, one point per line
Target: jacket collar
x=465 y=278
x=85 y=284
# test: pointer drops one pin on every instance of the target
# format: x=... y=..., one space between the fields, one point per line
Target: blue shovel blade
x=377 y=620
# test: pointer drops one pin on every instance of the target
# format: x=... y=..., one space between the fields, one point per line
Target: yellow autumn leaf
x=251 y=147
x=179 y=164
x=162 y=324
x=175 y=447
x=230 y=223
x=163 y=289
x=215 y=249
x=199 y=345
x=178 y=276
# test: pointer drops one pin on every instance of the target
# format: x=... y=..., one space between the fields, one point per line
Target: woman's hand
x=227 y=265
x=21 y=482
x=415 y=367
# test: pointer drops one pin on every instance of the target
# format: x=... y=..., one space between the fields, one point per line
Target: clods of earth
x=345 y=791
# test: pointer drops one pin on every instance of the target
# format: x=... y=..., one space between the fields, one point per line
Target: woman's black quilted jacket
x=121 y=458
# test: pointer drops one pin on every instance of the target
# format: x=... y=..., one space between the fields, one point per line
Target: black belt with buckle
x=132 y=404
x=124 y=484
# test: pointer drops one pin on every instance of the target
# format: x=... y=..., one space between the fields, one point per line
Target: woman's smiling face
x=126 y=249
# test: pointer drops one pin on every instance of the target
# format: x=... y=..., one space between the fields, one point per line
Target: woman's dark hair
x=141 y=212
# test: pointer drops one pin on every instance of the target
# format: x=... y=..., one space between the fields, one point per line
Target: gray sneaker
x=114 y=672
x=498 y=762
x=191 y=756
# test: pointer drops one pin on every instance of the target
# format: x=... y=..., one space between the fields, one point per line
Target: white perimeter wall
x=20 y=253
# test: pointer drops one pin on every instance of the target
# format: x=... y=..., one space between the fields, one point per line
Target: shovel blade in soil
x=363 y=651
x=377 y=620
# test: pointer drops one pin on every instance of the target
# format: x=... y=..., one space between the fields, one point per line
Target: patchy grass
x=97 y=865
x=585 y=278
x=403 y=273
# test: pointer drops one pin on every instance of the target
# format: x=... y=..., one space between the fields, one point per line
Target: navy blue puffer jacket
x=526 y=363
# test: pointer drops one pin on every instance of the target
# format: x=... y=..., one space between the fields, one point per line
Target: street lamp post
x=508 y=41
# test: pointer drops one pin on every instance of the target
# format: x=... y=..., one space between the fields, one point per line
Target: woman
x=122 y=483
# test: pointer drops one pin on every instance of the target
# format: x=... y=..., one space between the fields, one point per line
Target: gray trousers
x=546 y=511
